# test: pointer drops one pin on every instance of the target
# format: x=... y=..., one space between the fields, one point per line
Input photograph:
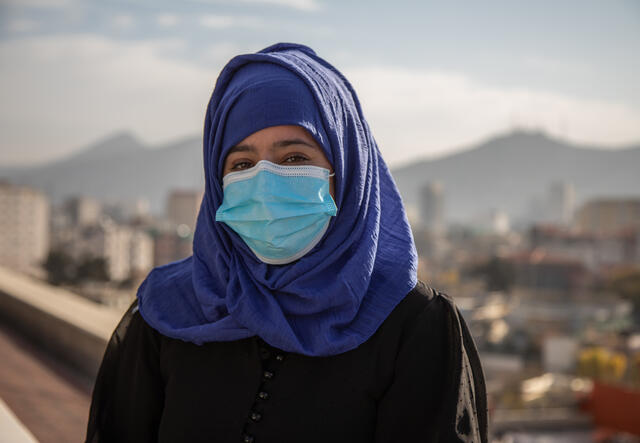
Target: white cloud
x=425 y=113
x=214 y=53
x=122 y=21
x=61 y=92
x=555 y=66
x=167 y=20
x=302 y=5
x=22 y=25
x=229 y=21
x=254 y=23
x=39 y=3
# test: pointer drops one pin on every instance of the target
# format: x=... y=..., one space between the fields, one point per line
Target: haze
x=432 y=76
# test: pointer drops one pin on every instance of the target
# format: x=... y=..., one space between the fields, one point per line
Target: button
x=255 y=416
x=279 y=357
x=268 y=375
x=247 y=439
x=263 y=395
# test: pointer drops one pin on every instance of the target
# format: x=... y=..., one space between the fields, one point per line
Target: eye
x=240 y=165
x=295 y=158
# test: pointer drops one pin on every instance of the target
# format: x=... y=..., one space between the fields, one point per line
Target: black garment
x=417 y=379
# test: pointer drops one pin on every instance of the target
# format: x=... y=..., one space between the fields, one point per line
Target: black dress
x=417 y=379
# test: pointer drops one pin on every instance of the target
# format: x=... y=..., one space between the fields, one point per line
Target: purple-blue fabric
x=334 y=298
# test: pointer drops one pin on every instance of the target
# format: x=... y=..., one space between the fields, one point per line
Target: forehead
x=278 y=133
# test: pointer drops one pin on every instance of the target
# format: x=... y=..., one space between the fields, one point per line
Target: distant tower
x=499 y=222
x=84 y=211
x=432 y=207
x=24 y=227
x=182 y=208
x=561 y=201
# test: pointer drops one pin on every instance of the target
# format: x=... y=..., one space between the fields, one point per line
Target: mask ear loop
x=332 y=174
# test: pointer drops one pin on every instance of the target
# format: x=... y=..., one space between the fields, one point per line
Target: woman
x=299 y=317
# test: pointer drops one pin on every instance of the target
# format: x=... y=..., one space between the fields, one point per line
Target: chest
x=248 y=391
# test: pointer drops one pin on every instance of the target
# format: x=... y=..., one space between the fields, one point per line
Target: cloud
x=426 y=113
x=211 y=55
x=122 y=21
x=61 y=92
x=53 y=4
x=302 y=5
x=554 y=66
x=167 y=20
x=253 y=23
x=229 y=21
x=22 y=25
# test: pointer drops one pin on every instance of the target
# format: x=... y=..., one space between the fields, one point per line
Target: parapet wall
x=68 y=326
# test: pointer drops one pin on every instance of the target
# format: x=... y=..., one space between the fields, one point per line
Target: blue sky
x=432 y=76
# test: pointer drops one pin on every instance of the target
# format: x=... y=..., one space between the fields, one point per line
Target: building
x=594 y=250
x=24 y=227
x=556 y=205
x=170 y=246
x=83 y=211
x=561 y=200
x=559 y=354
x=182 y=208
x=539 y=270
x=82 y=229
x=128 y=252
x=432 y=207
x=140 y=254
x=609 y=216
x=109 y=241
x=126 y=212
x=494 y=221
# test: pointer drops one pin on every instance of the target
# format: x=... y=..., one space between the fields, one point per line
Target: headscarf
x=334 y=298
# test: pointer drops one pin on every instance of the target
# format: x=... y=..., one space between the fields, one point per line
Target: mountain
x=119 y=168
x=509 y=171
x=506 y=172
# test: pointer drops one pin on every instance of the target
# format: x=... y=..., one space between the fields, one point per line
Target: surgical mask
x=281 y=212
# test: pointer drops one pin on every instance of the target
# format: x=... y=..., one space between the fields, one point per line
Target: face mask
x=281 y=212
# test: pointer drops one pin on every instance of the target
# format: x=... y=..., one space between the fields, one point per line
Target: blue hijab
x=334 y=298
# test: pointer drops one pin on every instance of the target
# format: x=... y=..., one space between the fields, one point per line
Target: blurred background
x=511 y=128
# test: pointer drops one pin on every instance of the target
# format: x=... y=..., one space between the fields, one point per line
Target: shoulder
x=128 y=389
x=435 y=357
x=423 y=322
x=423 y=308
x=133 y=330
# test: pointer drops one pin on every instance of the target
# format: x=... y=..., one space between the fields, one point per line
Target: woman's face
x=286 y=145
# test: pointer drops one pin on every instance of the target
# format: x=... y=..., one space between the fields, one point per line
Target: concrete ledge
x=65 y=324
x=13 y=431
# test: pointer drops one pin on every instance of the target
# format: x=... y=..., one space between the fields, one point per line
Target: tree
x=497 y=273
x=92 y=269
x=60 y=267
x=626 y=284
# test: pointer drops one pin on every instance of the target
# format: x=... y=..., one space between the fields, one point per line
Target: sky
x=433 y=77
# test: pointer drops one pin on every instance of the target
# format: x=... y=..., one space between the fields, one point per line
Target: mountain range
x=506 y=172
x=118 y=169
x=510 y=172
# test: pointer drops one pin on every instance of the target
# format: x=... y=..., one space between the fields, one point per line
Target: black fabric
x=417 y=379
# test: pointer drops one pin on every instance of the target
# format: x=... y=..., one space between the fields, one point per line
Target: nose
x=267 y=154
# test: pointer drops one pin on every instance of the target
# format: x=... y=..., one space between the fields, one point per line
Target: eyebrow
x=292 y=141
x=279 y=144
